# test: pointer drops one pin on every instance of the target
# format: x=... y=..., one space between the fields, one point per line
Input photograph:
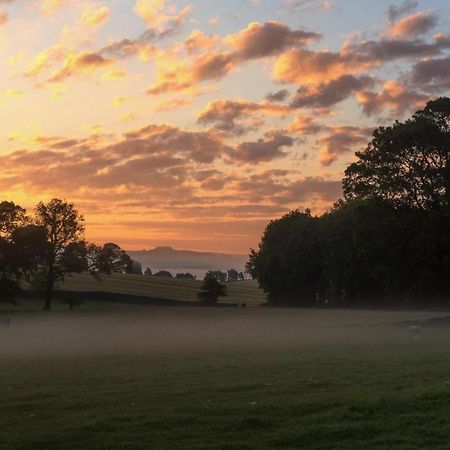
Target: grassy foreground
x=223 y=379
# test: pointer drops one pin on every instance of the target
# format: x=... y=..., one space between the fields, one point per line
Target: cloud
x=175 y=75
x=328 y=94
x=267 y=149
x=153 y=156
x=304 y=125
x=157 y=13
x=385 y=50
x=94 y=16
x=83 y=63
x=433 y=74
x=3 y=18
x=259 y=41
x=45 y=60
x=301 y=66
x=125 y=48
x=395 y=96
x=413 y=25
x=198 y=40
x=397 y=11
x=340 y=140
x=236 y=116
x=51 y=6
x=278 y=96
x=298 y=6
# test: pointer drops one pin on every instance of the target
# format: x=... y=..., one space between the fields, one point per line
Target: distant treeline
x=387 y=241
x=221 y=276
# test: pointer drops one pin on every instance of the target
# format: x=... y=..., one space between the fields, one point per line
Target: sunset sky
x=193 y=123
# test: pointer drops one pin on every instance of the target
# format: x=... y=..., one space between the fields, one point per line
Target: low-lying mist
x=173 y=330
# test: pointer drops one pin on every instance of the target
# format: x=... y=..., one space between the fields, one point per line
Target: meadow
x=223 y=378
x=127 y=288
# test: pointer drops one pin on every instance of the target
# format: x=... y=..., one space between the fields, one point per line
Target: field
x=225 y=378
x=137 y=288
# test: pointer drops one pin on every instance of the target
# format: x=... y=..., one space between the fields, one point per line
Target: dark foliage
x=211 y=290
x=388 y=241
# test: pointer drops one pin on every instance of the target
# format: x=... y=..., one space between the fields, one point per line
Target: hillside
x=174 y=260
x=161 y=288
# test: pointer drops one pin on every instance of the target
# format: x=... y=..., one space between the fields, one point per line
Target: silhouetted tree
x=21 y=247
x=112 y=259
x=64 y=227
x=232 y=275
x=163 y=274
x=136 y=267
x=211 y=290
x=185 y=276
x=289 y=262
x=388 y=241
x=218 y=275
x=408 y=163
x=12 y=216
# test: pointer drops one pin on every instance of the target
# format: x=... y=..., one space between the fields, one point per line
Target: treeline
x=387 y=241
x=43 y=247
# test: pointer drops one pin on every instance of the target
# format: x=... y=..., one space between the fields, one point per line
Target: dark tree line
x=386 y=241
x=44 y=247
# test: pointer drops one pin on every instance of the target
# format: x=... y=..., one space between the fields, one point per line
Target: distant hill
x=168 y=258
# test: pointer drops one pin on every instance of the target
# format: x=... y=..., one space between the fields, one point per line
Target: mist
x=154 y=330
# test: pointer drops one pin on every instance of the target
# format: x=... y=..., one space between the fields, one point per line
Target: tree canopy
x=44 y=247
x=408 y=163
x=386 y=241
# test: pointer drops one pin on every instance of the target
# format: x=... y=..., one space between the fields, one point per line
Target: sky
x=194 y=123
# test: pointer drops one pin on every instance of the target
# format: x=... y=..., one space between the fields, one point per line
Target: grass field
x=258 y=378
x=145 y=287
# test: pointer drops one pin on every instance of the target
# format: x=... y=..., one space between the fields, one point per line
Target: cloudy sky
x=193 y=123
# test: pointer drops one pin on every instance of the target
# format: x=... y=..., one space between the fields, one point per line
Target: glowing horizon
x=192 y=124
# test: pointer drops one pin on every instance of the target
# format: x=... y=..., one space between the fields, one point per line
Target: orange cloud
x=340 y=140
x=83 y=63
x=259 y=41
x=395 y=96
x=301 y=66
x=94 y=16
x=156 y=13
x=413 y=25
x=303 y=125
x=51 y=6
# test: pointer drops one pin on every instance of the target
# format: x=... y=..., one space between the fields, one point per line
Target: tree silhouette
x=211 y=290
x=408 y=163
x=63 y=227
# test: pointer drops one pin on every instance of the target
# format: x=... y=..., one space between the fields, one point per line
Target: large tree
x=63 y=227
x=408 y=163
x=21 y=247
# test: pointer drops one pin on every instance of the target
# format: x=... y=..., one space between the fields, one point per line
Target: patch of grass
x=140 y=286
x=335 y=383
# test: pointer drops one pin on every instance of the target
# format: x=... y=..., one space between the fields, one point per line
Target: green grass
x=152 y=378
x=246 y=291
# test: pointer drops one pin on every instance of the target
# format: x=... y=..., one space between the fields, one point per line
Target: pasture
x=126 y=288
x=219 y=378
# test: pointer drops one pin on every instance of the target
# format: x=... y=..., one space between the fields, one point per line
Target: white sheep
x=415 y=331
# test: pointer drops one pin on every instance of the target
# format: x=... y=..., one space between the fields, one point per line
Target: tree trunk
x=447 y=184
x=49 y=289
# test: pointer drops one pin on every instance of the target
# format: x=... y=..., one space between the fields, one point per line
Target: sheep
x=415 y=331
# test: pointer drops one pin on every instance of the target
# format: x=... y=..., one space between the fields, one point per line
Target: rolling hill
x=168 y=258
